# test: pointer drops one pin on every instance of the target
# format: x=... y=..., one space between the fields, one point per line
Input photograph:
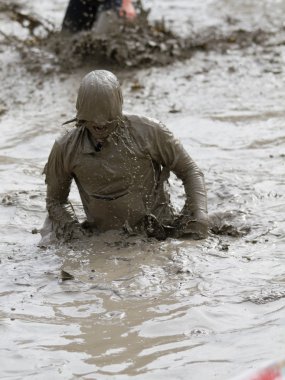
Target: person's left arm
x=165 y=149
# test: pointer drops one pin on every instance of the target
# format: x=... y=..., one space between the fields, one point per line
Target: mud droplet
x=3 y=110
x=7 y=200
x=66 y=276
x=173 y=109
x=136 y=86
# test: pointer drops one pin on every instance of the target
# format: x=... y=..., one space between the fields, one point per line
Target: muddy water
x=137 y=308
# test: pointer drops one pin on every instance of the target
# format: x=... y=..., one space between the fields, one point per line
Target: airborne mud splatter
x=113 y=307
x=131 y=45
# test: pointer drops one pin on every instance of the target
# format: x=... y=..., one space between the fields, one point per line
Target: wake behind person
x=120 y=163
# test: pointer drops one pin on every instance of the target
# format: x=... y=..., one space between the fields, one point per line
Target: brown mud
x=118 y=307
x=133 y=45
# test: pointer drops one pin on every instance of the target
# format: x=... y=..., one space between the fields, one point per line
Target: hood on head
x=99 y=97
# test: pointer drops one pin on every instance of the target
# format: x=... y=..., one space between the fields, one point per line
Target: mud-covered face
x=101 y=131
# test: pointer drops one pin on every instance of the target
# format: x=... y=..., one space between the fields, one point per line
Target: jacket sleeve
x=58 y=180
x=165 y=149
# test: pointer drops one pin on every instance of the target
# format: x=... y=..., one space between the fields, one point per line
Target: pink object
x=270 y=373
x=127 y=10
x=274 y=371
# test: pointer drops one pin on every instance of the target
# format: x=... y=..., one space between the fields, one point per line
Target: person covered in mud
x=81 y=14
x=120 y=163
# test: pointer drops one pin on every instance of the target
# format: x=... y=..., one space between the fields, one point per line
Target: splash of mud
x=139 y=44
x=229 y=223
x=267 y=295
x=30 y=21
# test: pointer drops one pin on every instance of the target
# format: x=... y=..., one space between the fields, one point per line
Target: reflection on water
x=140 y=308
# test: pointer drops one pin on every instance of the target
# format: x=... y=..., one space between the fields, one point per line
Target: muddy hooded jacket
x=121 y=180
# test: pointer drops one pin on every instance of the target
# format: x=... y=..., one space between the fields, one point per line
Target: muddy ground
x=134 y=307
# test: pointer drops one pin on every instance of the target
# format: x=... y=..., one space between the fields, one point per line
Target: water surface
x=137 y=308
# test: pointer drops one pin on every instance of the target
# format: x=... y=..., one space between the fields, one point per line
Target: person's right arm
x=58 y=180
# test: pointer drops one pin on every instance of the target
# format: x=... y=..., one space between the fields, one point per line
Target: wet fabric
x=81 y=14
x=99 y=98
x=122 y=182
x=120 y=163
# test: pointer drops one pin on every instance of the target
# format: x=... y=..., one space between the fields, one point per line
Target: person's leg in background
x=80 y=15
